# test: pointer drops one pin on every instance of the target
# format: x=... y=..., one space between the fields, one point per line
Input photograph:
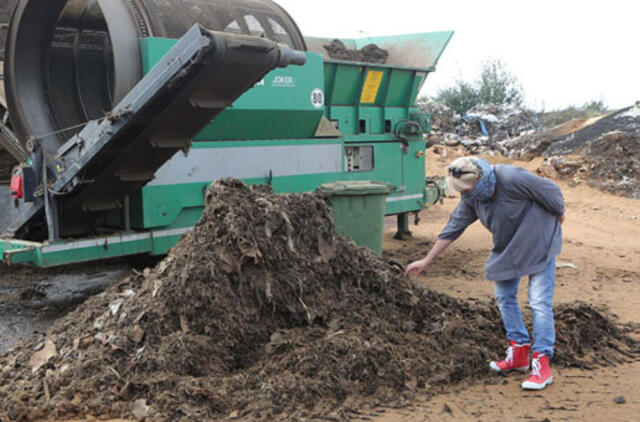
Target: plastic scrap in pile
x=482 y=128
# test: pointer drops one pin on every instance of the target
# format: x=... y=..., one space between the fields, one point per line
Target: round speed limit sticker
x=317 y=98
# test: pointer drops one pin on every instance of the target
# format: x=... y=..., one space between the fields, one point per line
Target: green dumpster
x=358 y=210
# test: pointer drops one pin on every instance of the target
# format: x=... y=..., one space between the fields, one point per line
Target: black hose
x=397 y=132
x=429 y=182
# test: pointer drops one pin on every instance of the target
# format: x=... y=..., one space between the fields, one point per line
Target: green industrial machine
x=296 y=128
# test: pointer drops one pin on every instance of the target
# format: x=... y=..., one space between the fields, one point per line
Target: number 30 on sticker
x=317 y=98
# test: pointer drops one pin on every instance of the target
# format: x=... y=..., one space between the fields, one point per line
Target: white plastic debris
x=128 y=293
x=561 y=265
x=114 y=306
x=140 y=409
x=43 y=356
x=633 y=112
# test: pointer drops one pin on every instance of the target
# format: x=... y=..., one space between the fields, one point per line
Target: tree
x=495 y=85
x=595 y=108
x=460 y=97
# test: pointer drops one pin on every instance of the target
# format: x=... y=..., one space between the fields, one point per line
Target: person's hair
x=466 y=165
x=469 y=173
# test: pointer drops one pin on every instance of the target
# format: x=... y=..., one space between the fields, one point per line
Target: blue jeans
x=541 y=288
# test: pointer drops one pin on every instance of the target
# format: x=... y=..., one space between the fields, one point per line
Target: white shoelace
x=536 y=367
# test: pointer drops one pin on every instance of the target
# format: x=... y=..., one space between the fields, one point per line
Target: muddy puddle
x=32 y=299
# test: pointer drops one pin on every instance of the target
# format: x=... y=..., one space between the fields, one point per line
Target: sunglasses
x=457 y=173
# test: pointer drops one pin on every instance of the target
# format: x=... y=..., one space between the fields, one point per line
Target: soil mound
x=605 y=154
x=262 y=312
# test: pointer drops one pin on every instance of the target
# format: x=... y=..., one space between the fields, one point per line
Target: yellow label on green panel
x=371 y=87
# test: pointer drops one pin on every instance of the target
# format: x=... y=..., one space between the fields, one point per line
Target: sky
x=564 y=52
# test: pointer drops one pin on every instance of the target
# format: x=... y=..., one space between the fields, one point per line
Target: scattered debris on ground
x=619 y=400
x=263 y=312
x=370 y=53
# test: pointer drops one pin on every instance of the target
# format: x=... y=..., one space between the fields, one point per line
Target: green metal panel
x=280 y=106
x=395 y=115
x=330 y=74
x=61 y=253
x=360 y=95
x=346 y=119
x=260 y=124
x=418 y=82
x=373 y=117
x=400 y=87
x=164 y=208
x=16 y=251
x=345 y=87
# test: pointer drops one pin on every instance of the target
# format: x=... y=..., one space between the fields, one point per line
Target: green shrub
x=495 y=85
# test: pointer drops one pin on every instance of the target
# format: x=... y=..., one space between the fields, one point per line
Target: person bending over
x=524 y=213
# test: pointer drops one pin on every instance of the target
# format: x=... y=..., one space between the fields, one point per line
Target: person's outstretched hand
x=415 y=268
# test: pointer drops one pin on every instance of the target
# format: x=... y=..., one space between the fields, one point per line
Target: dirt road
x=602 y=239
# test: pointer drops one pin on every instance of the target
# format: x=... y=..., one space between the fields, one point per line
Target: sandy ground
x=602 y=238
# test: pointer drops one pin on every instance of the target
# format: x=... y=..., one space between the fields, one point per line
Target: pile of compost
x=370 y=53
x=263 y=312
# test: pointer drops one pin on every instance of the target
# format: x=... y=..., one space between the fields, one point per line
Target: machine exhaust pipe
x=289 y=57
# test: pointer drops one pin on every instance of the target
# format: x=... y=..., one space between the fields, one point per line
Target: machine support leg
x=126 y=216
x=403 y=227
x=50 y=206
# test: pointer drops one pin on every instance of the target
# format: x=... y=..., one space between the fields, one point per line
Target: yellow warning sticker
x=371 y=87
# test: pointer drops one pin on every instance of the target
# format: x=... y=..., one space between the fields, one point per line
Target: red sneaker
x=517 y=359
x=540 y=373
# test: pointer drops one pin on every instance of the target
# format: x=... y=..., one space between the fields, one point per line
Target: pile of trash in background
x=482 y=128
x=603 y=151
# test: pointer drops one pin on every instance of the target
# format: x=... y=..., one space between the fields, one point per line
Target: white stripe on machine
x=114 y=240
x=209 y=164
x=405 y=197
